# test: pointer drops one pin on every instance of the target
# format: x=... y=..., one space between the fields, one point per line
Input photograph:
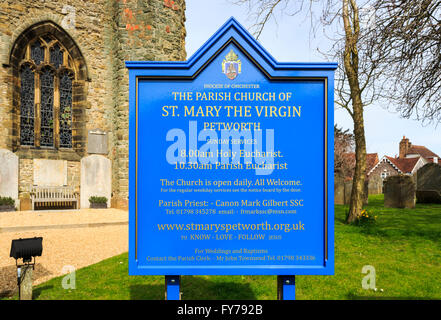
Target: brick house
x=410 y=159
x=407 y=150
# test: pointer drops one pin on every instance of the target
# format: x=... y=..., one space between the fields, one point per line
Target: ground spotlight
x=25 y=249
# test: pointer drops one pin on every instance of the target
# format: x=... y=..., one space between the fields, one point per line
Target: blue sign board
x=230 y=163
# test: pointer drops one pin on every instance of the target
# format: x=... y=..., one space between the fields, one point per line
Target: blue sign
x=231 y=163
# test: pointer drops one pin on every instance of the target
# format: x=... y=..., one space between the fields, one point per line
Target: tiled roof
x=371 y=159
x=422 y=151
x=406 y=165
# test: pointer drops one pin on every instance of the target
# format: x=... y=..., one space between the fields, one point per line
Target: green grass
x=404 y=246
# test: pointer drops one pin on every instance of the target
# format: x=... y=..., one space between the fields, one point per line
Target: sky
x=289 y=40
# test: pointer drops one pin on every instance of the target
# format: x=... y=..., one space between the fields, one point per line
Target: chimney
x=404 y=147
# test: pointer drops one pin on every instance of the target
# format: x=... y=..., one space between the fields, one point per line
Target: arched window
x=46 y=84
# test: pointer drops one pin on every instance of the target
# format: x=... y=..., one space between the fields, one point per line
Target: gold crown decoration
x=231 y=56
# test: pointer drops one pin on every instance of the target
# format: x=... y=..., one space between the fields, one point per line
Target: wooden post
x=25 y=282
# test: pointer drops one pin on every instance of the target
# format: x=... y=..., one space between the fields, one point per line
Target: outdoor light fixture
x=26 y=249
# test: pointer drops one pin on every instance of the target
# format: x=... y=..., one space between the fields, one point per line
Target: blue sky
x=290 y=40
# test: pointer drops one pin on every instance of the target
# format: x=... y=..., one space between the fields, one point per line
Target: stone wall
x=145 y=30
x=26 y=176
x=105 y=33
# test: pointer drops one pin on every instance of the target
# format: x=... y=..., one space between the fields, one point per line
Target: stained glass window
x=37 y=52
x=56 y=56
x=44 y=120
x=47 y=38
x=65 y=111
x=27 y=106
x=47 y=108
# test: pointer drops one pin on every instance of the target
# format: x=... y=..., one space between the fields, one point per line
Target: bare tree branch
x=355 y=68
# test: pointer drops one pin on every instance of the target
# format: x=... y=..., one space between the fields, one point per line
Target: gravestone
x=429 y=183
x=339 y=190
x=9 y=175
x=97 y=142
x=95 y=179
x=50 y=172
x=399 y=192
x=375 y=185
x=348 y=192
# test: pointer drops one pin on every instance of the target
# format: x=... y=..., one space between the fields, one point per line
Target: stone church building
x=64 y=90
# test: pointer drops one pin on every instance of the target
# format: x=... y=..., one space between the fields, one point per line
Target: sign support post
x=172 y=287
x=286 y=287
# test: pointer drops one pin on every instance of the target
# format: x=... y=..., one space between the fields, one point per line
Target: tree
x=351 y=22
x=407 y=47
x=356 y=72
x=343 y=147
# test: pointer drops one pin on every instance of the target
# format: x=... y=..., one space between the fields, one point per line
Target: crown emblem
x=231 y=56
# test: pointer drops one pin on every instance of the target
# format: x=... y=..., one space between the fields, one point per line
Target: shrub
x=96 y=199
x=6 y=201
x=366 y=218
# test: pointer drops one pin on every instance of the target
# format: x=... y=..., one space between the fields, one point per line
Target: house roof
x=422 y=151
x=371 y=159
x=405 y=165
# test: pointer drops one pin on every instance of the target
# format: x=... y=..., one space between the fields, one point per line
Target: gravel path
x=53 y=217
x=78 y=247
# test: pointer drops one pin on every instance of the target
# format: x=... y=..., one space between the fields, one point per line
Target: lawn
x=404 y=247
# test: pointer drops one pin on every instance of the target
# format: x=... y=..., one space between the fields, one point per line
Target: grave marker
x=8 y=174
x=399 y=192
x=429 y=183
